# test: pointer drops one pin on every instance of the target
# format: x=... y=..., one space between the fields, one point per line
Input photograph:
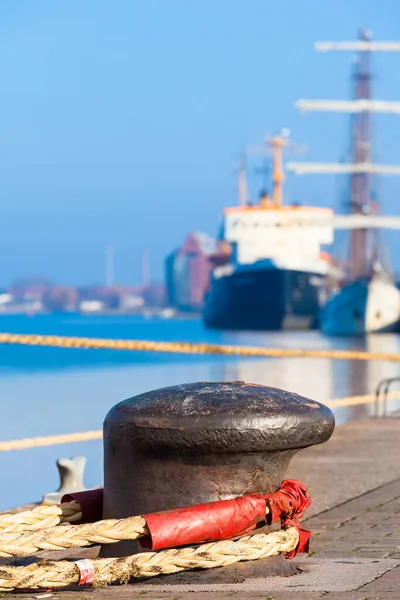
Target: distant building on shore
x=187 y=272
x=98 y=299
x=50 y=298
x=59 y=298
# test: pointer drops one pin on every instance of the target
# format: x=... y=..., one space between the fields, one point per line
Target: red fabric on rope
x=289 y=504
x=213 y=520
x=227 y=519
x=220 y=520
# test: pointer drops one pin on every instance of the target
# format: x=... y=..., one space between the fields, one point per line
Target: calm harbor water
x=48 y=391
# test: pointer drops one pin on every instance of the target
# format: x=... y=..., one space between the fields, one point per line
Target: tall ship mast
x=368 y=300
x=270 y=265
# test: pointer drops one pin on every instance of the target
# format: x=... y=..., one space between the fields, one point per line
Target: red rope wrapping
x=288 y=504
x=213 y=521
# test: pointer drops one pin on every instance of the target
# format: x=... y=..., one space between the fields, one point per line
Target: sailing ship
x=270 y=264
x=367 y=299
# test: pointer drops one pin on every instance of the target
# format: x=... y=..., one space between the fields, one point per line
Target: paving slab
x=360 y=456
x=317 y=575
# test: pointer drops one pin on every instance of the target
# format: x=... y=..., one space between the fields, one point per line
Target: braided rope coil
x=28 y=533
x=61 y=537
x=41 y=517
x=59 y=574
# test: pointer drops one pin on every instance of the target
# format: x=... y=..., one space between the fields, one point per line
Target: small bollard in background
x=71 y=472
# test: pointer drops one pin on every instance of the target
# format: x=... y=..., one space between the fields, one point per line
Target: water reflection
x=322 y=379
x=49 y=394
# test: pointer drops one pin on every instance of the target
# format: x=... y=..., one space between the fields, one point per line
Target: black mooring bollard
x=201 y=442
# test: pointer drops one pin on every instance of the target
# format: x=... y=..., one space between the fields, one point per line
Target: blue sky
x=120 y=120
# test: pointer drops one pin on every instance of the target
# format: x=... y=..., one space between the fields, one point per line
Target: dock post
x=202 y=442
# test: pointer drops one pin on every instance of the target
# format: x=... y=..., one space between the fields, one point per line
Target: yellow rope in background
x=190 y=348
x=182 y=348
x=51 y=440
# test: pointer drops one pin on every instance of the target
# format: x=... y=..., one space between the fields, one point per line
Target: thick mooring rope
x=189 y=348
x=62 y=537
x=59 y=574
x=41 y=517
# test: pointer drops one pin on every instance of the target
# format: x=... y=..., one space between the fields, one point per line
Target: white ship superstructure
x=272 y=261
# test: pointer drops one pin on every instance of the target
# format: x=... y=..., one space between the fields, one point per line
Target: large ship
x=271 y=261
x=367 y=299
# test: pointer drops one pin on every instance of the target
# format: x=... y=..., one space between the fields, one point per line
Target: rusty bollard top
x=200 y=442
x=223 y=417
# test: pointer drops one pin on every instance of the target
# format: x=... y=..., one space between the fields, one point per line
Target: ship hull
x=265 y=299
x=362 y=307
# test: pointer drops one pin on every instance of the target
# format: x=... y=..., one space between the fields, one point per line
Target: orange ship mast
x=276 y=143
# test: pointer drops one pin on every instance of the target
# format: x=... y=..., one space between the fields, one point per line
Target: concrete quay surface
x=354 y=481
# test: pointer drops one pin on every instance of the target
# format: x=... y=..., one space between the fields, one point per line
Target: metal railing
x=381 y=396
